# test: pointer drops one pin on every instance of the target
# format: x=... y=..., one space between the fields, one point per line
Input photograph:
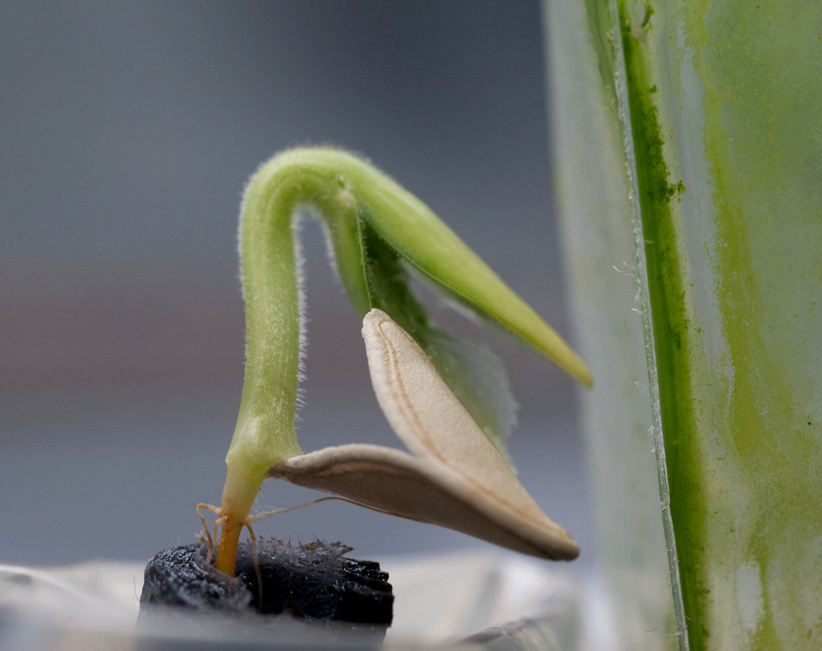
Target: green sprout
x=376 y=230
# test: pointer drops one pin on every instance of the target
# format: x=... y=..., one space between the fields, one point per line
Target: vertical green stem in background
x=594 y=194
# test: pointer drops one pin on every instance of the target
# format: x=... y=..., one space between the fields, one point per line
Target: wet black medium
x=315 y=581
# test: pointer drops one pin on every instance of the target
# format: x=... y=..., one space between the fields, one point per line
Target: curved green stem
x=270 y=261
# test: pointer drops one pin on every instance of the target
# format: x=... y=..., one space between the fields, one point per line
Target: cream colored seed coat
x=453 y=477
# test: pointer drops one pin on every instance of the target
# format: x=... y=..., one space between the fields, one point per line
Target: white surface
x=439 y=600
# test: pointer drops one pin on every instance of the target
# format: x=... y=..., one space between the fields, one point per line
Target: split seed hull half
x=453 y=478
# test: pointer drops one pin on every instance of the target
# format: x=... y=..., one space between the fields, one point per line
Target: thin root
x=216 y=511
x=261 y=516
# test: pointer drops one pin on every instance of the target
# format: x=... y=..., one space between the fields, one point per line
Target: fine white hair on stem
x=302 y=306
x=330 y=253
x=299 y=277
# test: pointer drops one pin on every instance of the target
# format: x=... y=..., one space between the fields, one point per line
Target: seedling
x=456 y=475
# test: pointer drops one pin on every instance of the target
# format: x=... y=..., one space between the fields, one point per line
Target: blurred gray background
x=128 y=131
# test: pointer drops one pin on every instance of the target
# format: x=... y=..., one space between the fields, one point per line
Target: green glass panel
x=718 y=106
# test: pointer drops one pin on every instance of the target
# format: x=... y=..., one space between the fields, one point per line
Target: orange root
x=227 y=551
